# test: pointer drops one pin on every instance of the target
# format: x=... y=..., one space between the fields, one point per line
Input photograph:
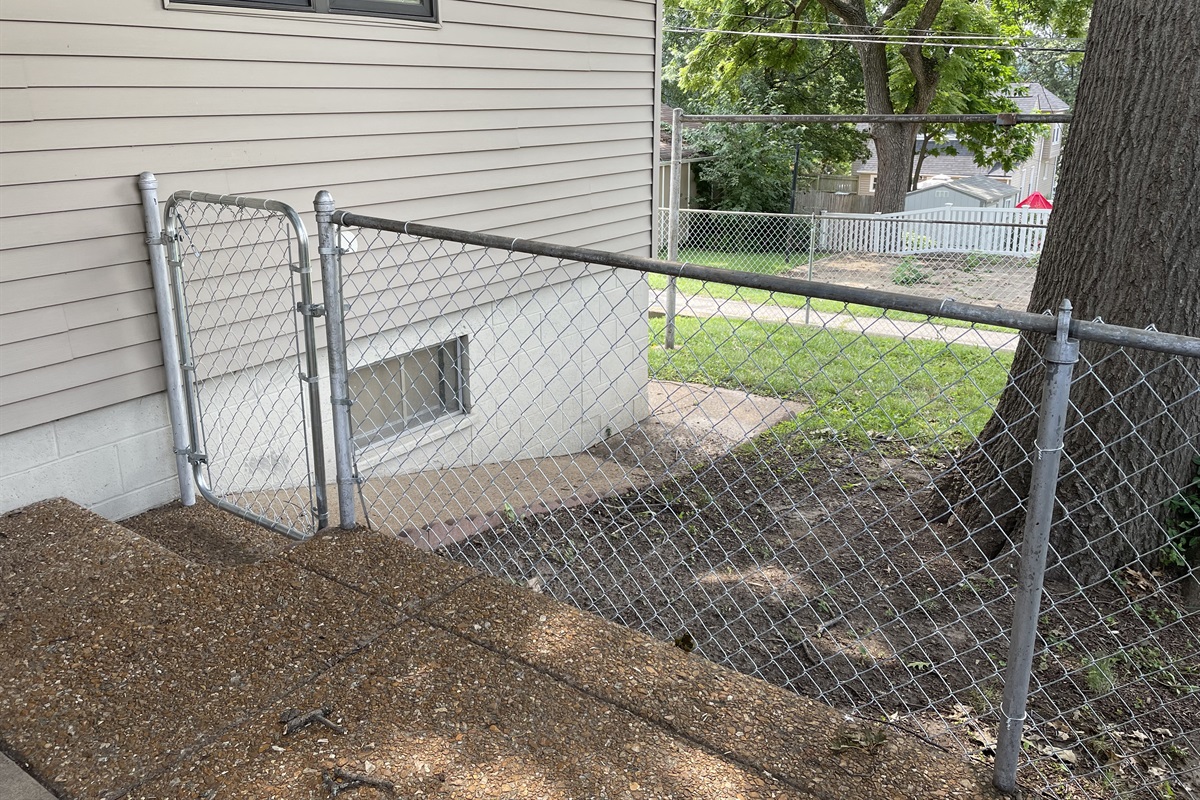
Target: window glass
x=425 y=10
x=397 y=394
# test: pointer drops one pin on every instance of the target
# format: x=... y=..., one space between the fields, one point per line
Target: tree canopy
x=851 y=56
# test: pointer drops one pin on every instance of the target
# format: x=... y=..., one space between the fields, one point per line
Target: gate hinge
x=197 y=458
x=164 y=238
x=311 y=309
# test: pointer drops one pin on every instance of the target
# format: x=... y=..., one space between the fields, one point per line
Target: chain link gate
x=768 y=491
x=242 y=286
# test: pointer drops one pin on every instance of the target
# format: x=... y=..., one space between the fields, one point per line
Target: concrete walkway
x=701 y=306
x=16 y=784
x=354 y=663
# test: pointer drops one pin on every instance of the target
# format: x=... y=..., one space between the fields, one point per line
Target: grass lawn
x=775 y=264
x=857 y=386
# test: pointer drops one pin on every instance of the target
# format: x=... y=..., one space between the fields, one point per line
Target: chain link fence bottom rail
x=782 y=498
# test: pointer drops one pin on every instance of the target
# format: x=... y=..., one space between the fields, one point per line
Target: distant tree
x=1123 y=244
x=749 y=167
x=940 y=74
x=1058 y=72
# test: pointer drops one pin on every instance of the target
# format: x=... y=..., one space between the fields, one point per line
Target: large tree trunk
x=894 y=145
x=1124 y=245
x=894 y=142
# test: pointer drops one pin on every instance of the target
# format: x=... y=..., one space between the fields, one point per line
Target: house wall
x=687 y=184
x=535 y=120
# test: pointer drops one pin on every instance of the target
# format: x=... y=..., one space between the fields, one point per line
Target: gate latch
x=311 y=309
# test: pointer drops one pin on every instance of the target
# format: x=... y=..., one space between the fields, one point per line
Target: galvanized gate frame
x=307 y=370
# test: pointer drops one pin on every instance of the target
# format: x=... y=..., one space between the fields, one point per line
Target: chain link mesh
x=239 y=297
x=788 y=491
x=983 y=256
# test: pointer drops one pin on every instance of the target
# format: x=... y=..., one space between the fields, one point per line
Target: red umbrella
x=1035 y=200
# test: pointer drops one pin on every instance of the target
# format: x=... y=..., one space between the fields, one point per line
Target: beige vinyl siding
x=535 y=119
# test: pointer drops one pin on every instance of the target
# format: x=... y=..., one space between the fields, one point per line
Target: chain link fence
x=796 y=499
x=846 y=493
x=984 y=256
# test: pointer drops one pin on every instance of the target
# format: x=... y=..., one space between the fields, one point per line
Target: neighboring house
x=1039 y=173
x=976 y=192
x=536 y=121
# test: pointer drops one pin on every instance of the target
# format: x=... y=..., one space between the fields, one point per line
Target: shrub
x=977 y=260
x=908 y=272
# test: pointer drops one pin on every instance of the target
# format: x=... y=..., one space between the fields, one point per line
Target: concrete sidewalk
x=16 y=784
x=130 y=671
x=701 y=306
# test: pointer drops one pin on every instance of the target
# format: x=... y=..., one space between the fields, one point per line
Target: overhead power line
x=918 y=39
x=873 y=30
x=1003 y=119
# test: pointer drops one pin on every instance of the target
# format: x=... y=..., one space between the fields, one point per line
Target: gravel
x=167 y=663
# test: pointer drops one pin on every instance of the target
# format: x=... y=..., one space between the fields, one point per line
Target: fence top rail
x=717 y=212
x=240 y=201
x=872 y=218
x=949 y=308
x=814 y=119
x=890 y=218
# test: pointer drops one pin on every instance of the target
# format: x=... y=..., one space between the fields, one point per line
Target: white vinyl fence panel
x=999 y=231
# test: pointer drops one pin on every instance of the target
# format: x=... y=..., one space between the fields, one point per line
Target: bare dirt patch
x=968 y=277
x=799 y=577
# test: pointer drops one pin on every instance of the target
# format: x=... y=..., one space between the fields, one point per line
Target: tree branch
x=894 y=8
x=927 y=16
x=852 y=12
x=924 y=70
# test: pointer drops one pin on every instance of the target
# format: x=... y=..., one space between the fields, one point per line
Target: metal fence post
x=169 y=335
x=673 y=222
x=1060 y=358
x=335 y=333
x=812 y=251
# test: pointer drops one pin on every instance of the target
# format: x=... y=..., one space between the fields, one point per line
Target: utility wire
x=892 y=40
x=870 y=30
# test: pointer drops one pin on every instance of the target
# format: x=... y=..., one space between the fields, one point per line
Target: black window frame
x=423 y=11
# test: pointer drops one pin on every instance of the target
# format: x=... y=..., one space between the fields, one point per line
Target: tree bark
x=894 y=145
x=894 y=142
x=920 y=159
x=1124 y=245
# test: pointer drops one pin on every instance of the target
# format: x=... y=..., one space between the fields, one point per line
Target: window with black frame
x=417 y=10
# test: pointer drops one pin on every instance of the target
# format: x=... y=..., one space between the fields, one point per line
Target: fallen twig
x=341 y=780
x=294 y=720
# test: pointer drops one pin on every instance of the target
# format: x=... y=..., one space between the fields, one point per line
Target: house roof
x=1032 y=98
x=980 y=187
x=1037 y=98
x=664 y=136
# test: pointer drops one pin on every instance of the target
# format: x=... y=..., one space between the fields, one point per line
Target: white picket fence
x=1000 y=231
